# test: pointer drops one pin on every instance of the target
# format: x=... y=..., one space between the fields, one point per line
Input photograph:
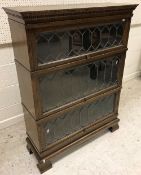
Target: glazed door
x=57 y=128
x=61 y=45
x=62 y=87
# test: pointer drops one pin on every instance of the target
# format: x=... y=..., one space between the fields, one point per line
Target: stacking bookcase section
x=50 y=37
x=65 y=125
x=70 y=61
x=57 y=45
x=61 y=87
x=58 y=88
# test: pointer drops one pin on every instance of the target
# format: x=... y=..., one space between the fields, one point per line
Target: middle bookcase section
x=61 y=87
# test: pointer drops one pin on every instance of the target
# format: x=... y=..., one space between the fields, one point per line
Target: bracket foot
x=114 y=128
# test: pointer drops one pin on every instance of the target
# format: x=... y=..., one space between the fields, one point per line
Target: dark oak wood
x=27 y=24
x=19 y=42
x=62 y=12
x=114 y=128
x=44 y=165
x=26 y=88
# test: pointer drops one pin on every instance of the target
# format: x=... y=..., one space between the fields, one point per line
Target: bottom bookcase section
x=77 y=119
x=64 y=127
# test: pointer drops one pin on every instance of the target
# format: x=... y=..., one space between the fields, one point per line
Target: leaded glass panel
x=64 y=86
x=57 y=45
x=75 y=120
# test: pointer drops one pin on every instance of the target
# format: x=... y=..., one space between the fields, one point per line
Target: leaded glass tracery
x=57 y=45
x=64 y=86
x=75 y=120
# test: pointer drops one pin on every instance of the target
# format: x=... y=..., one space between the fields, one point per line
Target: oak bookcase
x=70 y=62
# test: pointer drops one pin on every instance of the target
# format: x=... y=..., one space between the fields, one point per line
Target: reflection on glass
x=52 y=46
x=77 y=119
x=61 y=87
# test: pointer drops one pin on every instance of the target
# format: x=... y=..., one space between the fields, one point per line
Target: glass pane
x=64 y=86
x=57 y=45
x=77 y=119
